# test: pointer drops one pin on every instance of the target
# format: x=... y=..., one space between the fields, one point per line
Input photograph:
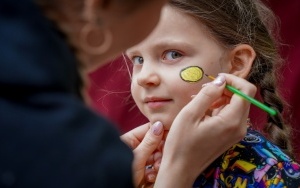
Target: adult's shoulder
x=55 y=141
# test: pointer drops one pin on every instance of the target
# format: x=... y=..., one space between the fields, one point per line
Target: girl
x=211 y=37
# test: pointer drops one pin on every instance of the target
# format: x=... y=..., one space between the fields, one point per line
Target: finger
x=240 y=83
x=152 y=169
x=238 y=104
x=223 y=100
x=142 y=153
x=207 y=95
x=156 y=165
x=150 y=160
x=150 y=175
x=154 y=157
x=161 y=145
x=134 y=137
x=150 y=142
x=157 y=156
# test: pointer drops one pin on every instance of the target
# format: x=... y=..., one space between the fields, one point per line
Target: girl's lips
x=157 y=103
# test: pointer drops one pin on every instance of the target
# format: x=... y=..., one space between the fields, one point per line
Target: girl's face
x=177 y=42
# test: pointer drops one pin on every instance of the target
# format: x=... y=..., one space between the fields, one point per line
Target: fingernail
x=220 y=80
x=157 y=128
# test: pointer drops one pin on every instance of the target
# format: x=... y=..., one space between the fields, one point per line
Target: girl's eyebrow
x=131 y=53
x=171 y=44
x=181 y=46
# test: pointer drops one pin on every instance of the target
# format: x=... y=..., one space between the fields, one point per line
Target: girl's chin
x=166 y=124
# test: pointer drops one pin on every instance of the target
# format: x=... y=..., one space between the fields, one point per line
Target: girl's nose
x=148 y=76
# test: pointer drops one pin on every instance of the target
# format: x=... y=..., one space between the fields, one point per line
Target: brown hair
x=250 y=22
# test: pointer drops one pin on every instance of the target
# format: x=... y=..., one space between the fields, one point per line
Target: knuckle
x=149 y=142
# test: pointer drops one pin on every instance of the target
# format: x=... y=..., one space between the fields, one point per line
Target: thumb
x=150 y=143
x=145 y=149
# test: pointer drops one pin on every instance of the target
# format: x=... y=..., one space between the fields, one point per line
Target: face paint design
x=191 y=74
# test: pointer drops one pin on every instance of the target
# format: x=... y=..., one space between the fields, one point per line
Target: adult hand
x=143 y=140
x=205 y=128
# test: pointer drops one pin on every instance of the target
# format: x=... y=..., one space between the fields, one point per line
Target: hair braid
x=276 y=128
x=265 y=75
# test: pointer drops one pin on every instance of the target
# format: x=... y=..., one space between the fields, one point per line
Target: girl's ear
x=241 y=59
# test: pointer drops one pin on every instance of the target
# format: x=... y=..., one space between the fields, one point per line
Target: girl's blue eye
x=172 y=55
x=137 y=60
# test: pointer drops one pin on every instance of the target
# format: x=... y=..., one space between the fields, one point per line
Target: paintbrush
x=260 y=105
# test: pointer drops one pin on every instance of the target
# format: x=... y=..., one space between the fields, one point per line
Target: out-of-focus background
x=110 y=85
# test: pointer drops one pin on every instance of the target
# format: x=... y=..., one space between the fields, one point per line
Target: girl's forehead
x=174 y=28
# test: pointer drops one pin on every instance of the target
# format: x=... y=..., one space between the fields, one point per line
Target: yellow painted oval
x=191 y=74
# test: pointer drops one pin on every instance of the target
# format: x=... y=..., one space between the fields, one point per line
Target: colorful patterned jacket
x=253 y=162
